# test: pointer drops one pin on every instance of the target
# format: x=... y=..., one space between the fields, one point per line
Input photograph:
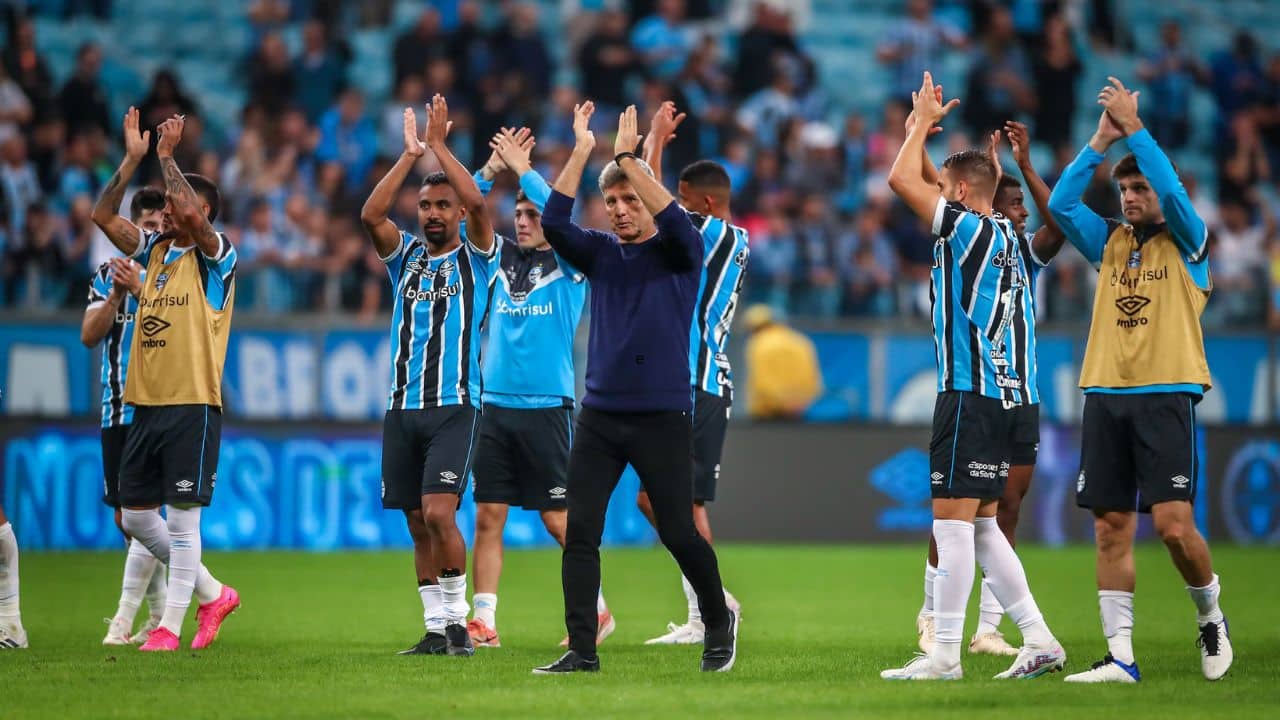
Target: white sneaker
x=1033 y=662
x=1215 y=649
x=991 y=643
x=735 y=607
x=117 y=632
x=924 y=631
x=12 y=637
x=1108 y=670
x=921 y=668
x=691 y=633
x=144 y=632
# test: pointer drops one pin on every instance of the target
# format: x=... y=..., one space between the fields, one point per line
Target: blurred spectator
x=1240 y=257
x=1267 y=114
x=783 y=375
x=822 y=250
x=526 y=59
x=318 y=74
x=815 y=169
x=916 y=45
x=870 y=282
x=21 y=187
x=23 y=62
x=1056 y=71
x=469 y=48
x=419 y=44
x=765 y=113
x=41 y=263
x=78 y=161
x=855 y=156
x=15 y=108
x=1170 y=74
x=705 y=88
x=1246 y=162
x=83 y=102
x=663 y=40
x=410 y=94
x=1236 y=77
x=271 y=77
x=999 y=85
x=265 y=17
x=348 y=137
x=769 y=36
x=607 y=63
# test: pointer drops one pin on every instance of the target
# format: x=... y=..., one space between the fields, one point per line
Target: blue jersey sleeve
x=100 y=284
x=956 y=224
x=146 y=242
x=221 y=269
x=535 y=188
x=395 y=261
x=1082 y=226
x=1188 y=230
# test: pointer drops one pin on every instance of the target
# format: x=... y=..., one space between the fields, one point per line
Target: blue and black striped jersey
x=983 y=316
x=115 y=349
x=439 y=306
x=724 y=267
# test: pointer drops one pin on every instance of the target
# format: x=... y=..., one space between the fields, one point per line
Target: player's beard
x=436 y=237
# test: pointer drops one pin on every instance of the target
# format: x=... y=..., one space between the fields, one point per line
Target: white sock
x=432 y=607
x=1206 y=600
x=1009 y=582
x=10 y=612
x=157 y=589
x=601 y=606
x=1117 y=623
x=989 y=610
x=486 y=608
x=148 y=528
x=207 y=587
x=184 y=565
x=139 y=565
x=453 y=592
x=951 y=589
x=930 y=573
x=691 y=596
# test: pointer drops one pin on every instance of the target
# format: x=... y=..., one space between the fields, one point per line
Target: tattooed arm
x=106 y=214
x=185 y=205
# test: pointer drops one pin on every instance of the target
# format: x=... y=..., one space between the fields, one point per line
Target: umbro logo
x=448 y=478
x=937 y=478
x=152 y=325
x=1131 y=304
x=557 y=492
x=1181 y=481
x=185 y=485
x=1080 y=482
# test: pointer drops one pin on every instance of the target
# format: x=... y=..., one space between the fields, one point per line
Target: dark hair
x=1008 y=182
x=1128 y=167
x=973 y=165
x=148 y=199
x=435 y=178
x=706 y=174
x=521 y=197
x=205 y=188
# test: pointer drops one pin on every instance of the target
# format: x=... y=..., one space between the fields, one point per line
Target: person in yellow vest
x=174 y=378
x=783 y=376
x=1144 y=371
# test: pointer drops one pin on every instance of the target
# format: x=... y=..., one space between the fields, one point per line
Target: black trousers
x=659 y=445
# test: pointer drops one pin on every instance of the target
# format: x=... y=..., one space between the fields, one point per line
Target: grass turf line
x=317 y=637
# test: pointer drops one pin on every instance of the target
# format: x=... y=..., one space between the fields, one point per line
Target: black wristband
x=623 y=155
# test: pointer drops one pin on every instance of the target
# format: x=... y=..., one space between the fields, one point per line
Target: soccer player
x=441 y=288
x=522 y=456
x=1144 y=371
x=170 y=456
x=644 y=281
x=12 y=635
x=109 y=319
x=704 y=189
x=982 y=339
x=1034 y=252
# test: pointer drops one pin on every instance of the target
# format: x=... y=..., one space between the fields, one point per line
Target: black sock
x=450 y=572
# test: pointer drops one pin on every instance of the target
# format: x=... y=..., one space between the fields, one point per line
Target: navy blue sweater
x=642 y=298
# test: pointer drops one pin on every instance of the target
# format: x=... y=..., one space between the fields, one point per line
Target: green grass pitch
x=317 y=636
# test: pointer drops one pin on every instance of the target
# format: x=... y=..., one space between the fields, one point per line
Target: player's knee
x=1111 y=536
x=1007 y=514
x=417 y=528
x=1174 y=532
x=439 y=516
x=488 y=521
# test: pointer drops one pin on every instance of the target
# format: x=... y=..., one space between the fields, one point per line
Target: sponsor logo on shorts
x=448 y=477
x=937 y=478
x=185 y=485
x=1080 y=482
x=985 y=471
x=557 y=492
x=1181 y=481
x=716 y=472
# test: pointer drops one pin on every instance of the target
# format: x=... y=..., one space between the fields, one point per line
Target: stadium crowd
x=828 y=239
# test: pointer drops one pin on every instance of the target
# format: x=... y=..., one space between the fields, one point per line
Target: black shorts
x=113 y=439
x=171 y=455
x=522 y=457
x=710 y=423
x=971 y=446
x=1137 y=451
x=1026 y=435
x=426 y=452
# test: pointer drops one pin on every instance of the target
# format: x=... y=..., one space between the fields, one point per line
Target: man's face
x=167 y=224
x=951 y=187
x=628 y=216
x=693 y=200
x=1138 y=200
x=1010 y=203
x=440 y=213
x=529 y=226
x=150 y=220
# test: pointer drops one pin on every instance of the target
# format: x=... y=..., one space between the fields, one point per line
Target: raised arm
x=928 y=171
x=577 y=245
x=584 y=141
x=479 y=224
x=185 y=211
x=380 y=228
x=1188 y=230
x=1081 y=225
x=106 y=214
x=514 y=148
x=906 y=177
x=662 y=130
x=1048 y=239
x=650 y=190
